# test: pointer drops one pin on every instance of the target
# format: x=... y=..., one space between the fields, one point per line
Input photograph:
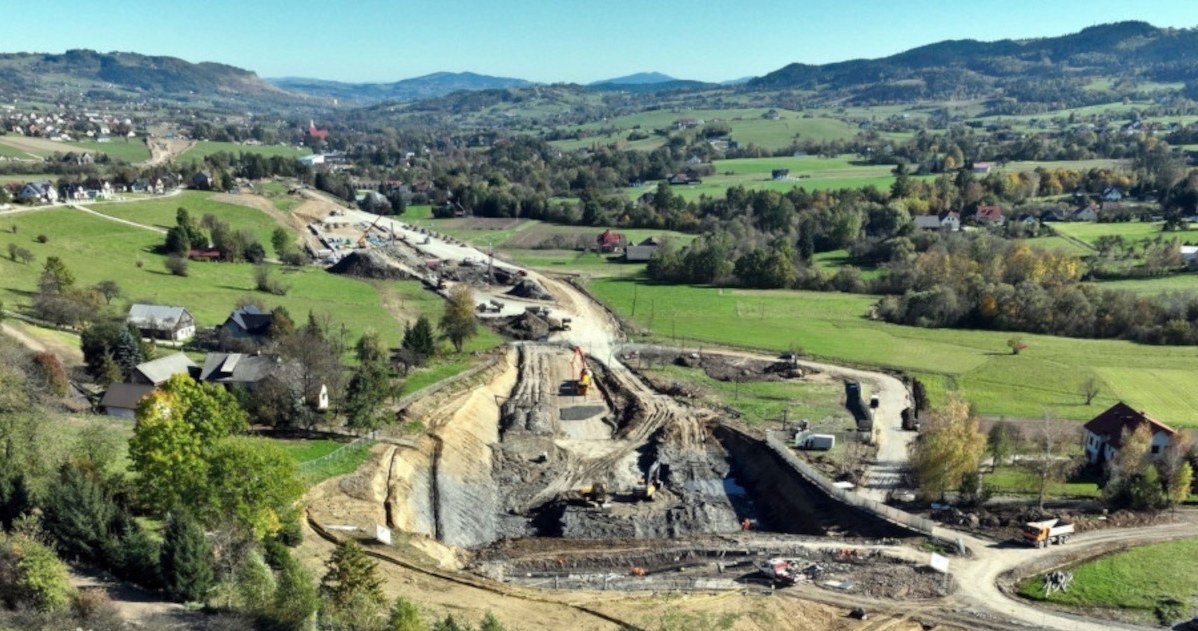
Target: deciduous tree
x=458 y=321
x=949 y=446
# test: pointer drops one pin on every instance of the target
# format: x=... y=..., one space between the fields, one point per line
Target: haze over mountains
x=1131 y=51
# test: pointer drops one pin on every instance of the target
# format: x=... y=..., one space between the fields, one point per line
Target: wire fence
x=347 y=452
x=777 y=442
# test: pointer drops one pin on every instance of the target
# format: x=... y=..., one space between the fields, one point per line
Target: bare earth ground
x=164 y=150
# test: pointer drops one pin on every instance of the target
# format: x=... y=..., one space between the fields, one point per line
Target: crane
x=578 y=365
x=362 y=239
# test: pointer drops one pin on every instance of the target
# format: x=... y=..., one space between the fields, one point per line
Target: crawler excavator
x=579 y=363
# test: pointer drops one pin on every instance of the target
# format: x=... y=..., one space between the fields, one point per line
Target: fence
x=431 y=389
x=340 y=454
x=777 y=442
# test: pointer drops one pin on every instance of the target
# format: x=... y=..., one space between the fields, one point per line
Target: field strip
x=117 y=219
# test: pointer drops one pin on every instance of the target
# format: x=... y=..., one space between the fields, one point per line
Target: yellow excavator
x=579 y=362
x=594 y=495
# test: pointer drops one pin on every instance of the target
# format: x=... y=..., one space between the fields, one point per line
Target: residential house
x=1088 y=213
x=609 y=241
x=247 y=323
x=202 y=181
x=990 y=215
x=778 y=175
x=121 y=399
x=1104 y=433
x=694 y=160
x=1054 y=215
x=242 y=370
x=156 y=372
x=39 y=192
x=641 y=252
x=927 y=222
x=1112 y=194
x=311 y=160
x=162 y=322
x=951 y=220
x=1027 y=220
x=981 y=168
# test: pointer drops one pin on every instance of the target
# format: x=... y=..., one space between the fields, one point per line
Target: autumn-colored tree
x=950 y=445
x=1050 y=464
x=1016 y=344
x=458 y=322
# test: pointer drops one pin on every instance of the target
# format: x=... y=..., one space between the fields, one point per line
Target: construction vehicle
x=1048 y=532
x=910 y=421
x=594 y=495
x=366 y=232
x=579 y=363
x=643 y=491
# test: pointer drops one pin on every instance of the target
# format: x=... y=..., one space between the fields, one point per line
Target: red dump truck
x=1044 y=533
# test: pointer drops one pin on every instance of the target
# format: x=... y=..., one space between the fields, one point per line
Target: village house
x=981 y=168
x=121 y=399
x=927 y=222
x=1104 y=433
x=989 y=215
x=609 y=241
x=162 y=322
x=951 y=220
x=39 y=192
x=158 y=371
x=247 y=371
x=641 y=252
x=1088 y=213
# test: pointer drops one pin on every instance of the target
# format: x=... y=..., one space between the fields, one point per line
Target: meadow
x=1138 y=580
x=129 y=150
x=96 y=249
x=160 y=212
x=1044 y=378
x=1089 y=232
x=204 y=148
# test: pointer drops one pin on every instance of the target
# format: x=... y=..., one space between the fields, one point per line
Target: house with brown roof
x=609 y=240
x=121 y=399
x=1104 y=433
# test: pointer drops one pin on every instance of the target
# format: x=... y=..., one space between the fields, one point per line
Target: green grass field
x=96 y=249
x=133 y=151
x=766 y=401
x=1184 y=282
x=276 y=192
x=204 y=148
x=1015 y=481
x=1131 y=231
x=833 y=326
x=1138 y=580
x=160 y=213
x=307 y=455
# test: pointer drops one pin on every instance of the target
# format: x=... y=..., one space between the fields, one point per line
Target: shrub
x=41 y=238
x=176 y=265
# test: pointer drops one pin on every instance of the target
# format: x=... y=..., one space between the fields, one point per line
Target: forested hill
x=1134 y=51
x=78 y=73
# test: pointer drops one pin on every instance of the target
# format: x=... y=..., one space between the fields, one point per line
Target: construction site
x=557 y=466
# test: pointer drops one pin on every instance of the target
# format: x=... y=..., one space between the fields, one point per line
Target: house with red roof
x=609 y=241
x=1104 y=433
x=989 y=215
x=313 y=132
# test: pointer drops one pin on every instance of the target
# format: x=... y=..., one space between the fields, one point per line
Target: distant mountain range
x=415 y=89
x=1058 y=71
x=964 y=68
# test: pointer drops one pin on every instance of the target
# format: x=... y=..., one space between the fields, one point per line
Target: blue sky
x=548 y=41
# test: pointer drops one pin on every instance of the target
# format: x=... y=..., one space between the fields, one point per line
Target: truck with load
x=1044 y=533
x=862 y=414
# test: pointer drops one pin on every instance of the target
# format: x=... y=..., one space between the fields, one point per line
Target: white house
x=952 y=221
x=39 y=192
x=162 y=322
x=1104 y=433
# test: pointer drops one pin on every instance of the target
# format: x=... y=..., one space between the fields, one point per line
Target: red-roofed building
x=1104 y=433
x=313 y=132
x=609 y=241
x=990 y=215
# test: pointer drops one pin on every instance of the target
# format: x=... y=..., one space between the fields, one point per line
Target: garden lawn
x=1137 y=579
x=833 y=326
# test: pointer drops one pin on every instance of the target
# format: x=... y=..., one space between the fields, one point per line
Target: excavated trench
x=507 y=457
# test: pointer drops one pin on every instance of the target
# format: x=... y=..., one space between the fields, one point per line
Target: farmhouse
x=121 y=399
x=641 y=252
x=247 y=323
x=162 y=322
x=1104 y=433
x=951 y=220
x=38 y=192
x=156 y=372
x=1089 y=213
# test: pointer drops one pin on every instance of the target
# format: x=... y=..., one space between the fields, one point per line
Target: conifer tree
x=186 y=560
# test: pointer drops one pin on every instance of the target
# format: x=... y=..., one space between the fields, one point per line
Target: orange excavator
x=578 y=365
x=366 y=232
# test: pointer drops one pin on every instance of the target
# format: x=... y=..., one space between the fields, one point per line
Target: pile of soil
x=1004 y=522
x=526 y=326
x=731 y=368
x=528 y=288
x=369 y=264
